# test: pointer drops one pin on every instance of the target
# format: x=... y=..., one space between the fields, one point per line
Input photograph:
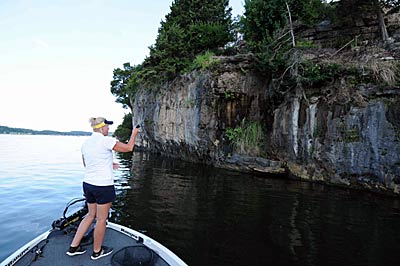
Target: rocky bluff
x=335 y=134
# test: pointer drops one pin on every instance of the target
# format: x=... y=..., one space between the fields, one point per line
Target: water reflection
x=209 y=216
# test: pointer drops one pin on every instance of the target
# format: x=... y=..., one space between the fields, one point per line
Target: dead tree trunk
x=291 y=25
x=381 y=21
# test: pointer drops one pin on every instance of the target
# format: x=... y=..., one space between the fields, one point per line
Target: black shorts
x=98 y=194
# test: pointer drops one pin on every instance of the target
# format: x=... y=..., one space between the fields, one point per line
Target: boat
x=130 y=247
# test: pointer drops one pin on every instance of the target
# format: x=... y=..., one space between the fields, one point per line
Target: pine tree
x=192 y=27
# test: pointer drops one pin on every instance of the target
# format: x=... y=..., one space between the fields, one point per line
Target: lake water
x=206 y=216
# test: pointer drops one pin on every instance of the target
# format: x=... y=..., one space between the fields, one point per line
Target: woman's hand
x=127 y=147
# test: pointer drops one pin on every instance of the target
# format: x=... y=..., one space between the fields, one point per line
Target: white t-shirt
x=98 y=156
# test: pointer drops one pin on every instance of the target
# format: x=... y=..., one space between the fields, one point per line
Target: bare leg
x=100 y=228
x=84 y=225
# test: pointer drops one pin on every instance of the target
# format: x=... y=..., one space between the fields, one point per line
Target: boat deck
x=55 y=246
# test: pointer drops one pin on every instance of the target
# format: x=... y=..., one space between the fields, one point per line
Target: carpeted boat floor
x=55 y=247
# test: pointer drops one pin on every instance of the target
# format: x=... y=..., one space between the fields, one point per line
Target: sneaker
x=104 y=251
x=72 y=251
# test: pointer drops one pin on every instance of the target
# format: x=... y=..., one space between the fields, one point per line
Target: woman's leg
x=100 y=228
x=84 y=225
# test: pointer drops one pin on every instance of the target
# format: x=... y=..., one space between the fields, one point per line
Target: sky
x=57 y=57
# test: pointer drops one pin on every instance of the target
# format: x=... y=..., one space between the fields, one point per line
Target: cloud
x=40 y=43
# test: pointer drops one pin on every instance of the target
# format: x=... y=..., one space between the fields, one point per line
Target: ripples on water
x=216 y=217
x=38 y=176
x=205 y=215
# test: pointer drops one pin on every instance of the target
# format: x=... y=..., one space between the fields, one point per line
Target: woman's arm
x=127 y=147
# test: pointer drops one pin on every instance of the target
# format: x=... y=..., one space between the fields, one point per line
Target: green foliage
x=233 y=134
x=168 y=57
x=208 y=35
x=248 y=138
x=305 y=44
x=125 y=84
x=123 y=131
x=264 y=26
x=263 y=18
x=274 y=56
x=314 y=73
x=310 y=12
x=191 y=28
x=203 y=61
x=309 y=73
x=229 y=95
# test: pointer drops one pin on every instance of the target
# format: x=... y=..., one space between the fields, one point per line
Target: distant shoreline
x=23 y=131
x=42 y=134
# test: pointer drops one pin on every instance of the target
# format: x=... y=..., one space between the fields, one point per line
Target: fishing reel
x=77 y=216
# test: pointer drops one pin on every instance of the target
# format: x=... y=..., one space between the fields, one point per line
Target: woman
x=98 y=184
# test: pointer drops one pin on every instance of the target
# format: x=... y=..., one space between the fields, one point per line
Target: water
x=205 y=215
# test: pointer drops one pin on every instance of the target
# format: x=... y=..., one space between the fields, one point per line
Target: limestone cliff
x=334 y=138
x=334 y=134
x=188 y=118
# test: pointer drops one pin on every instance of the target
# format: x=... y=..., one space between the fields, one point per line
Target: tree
x=123 y=131
x=192 y=27
x=262 y=18
x=125 y=83
x=200 y=20
x=264 y=27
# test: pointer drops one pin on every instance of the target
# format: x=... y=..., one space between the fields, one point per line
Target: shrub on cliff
x=123 y=131
x=203 y=61
x=248 y=138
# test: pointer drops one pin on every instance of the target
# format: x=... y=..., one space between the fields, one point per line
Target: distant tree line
x=24 y=131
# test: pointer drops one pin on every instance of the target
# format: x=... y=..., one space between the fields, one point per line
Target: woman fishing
x=98 y=184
